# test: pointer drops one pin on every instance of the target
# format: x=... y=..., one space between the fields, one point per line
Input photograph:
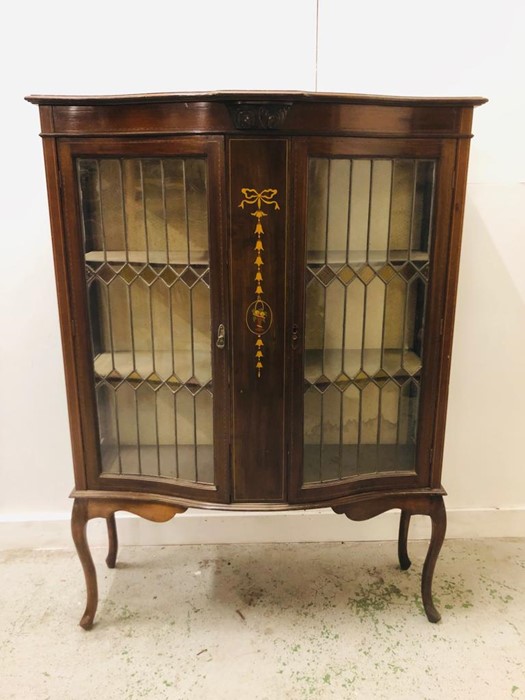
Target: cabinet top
x=256 y=96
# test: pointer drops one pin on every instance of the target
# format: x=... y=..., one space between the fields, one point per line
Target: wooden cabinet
x=256 y=298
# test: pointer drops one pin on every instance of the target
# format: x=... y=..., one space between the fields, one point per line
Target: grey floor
x=265 y=622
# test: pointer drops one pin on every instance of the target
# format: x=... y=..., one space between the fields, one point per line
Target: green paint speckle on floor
x=337 y=621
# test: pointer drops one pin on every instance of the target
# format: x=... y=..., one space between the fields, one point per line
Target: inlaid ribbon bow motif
x=259 y=314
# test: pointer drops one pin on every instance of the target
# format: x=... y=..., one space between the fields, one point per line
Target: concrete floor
x=265 y=622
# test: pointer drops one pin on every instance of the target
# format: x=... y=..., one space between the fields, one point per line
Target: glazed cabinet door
x=371 y=243
x=146 y=250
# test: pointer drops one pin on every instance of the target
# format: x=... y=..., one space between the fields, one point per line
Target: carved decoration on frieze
x=249 y=115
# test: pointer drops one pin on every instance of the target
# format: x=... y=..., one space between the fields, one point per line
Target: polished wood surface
x=431 y=505
x=256 y=141
x=258 y=401
x=307 y=113
x=77 y=316
x=86 y=509
x=402 y=550
x=258 y=96
x=444 y=151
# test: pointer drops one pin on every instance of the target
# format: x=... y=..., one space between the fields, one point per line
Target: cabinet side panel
x=258 y=205
x=64 y=306
x=456 y=230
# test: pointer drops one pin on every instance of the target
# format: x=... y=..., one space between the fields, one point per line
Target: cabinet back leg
x=439 y=525
x=111 y=559
x=79 y=520
x=402 y=551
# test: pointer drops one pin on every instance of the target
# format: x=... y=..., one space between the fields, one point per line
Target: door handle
x=221 y=337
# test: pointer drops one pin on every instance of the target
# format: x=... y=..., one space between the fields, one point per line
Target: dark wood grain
x=79 y=520
x=212 y=149
x=443 y=151
x=258 y=422
x=451 y=265
x=257 y=96
x=431 y=505
x=65 y=303
x=258 y=401
x=439 y=525
x=84 y=510
x=352 y=115
x=111 y=558
x=402 y=551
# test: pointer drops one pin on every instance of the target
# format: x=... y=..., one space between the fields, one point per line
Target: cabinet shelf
x=360 y=257
x=141 y=257
x=330 y=362
x=344 y=461
x=190 y=463
x=163 y=364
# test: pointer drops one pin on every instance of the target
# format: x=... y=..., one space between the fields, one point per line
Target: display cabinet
x=256 y=296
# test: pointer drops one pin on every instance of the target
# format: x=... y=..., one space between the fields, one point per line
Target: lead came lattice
x=368 y=241
x=145 y=231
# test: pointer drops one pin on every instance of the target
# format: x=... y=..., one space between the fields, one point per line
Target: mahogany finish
x=258 y=459
x=256 y=143
x=84 y=509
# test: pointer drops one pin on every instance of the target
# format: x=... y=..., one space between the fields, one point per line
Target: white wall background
x=452 y=47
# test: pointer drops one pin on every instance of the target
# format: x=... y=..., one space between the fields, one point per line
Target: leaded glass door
x=366 y=258
x=150 y=286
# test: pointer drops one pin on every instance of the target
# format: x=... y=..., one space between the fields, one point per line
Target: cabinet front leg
x=402 y=551
x=111 y=559
x=79 y=520
x=439 y=525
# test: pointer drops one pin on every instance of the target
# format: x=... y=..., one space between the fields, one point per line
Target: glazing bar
x=110 y=313
x=345 y=305
x=404 y=322
x=150 y=307
x=369 y=221
x=325 y=287
x=137 y=423
x=170 y=303
x=175 y=420
x=385 y=301
x=412 y=217
x=101 y=213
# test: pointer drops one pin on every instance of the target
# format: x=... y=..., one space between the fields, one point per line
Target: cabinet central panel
x=258 y=229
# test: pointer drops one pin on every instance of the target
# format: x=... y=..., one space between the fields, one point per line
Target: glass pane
x=359 y=210
x=368 y=237
x=145 y=227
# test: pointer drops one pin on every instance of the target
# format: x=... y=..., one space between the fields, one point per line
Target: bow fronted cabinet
x=256 y=299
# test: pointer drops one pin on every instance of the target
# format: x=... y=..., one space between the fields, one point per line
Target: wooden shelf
x=175 y=462
x=390 y=361
x=141 y=257
x=162 y=364
x=142 y=362
x=359 y=257
x=355 y=461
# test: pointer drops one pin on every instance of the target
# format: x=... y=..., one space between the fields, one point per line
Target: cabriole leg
x=439 y=525
x=111 y=559
x=402 y=552
x=79 y=520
